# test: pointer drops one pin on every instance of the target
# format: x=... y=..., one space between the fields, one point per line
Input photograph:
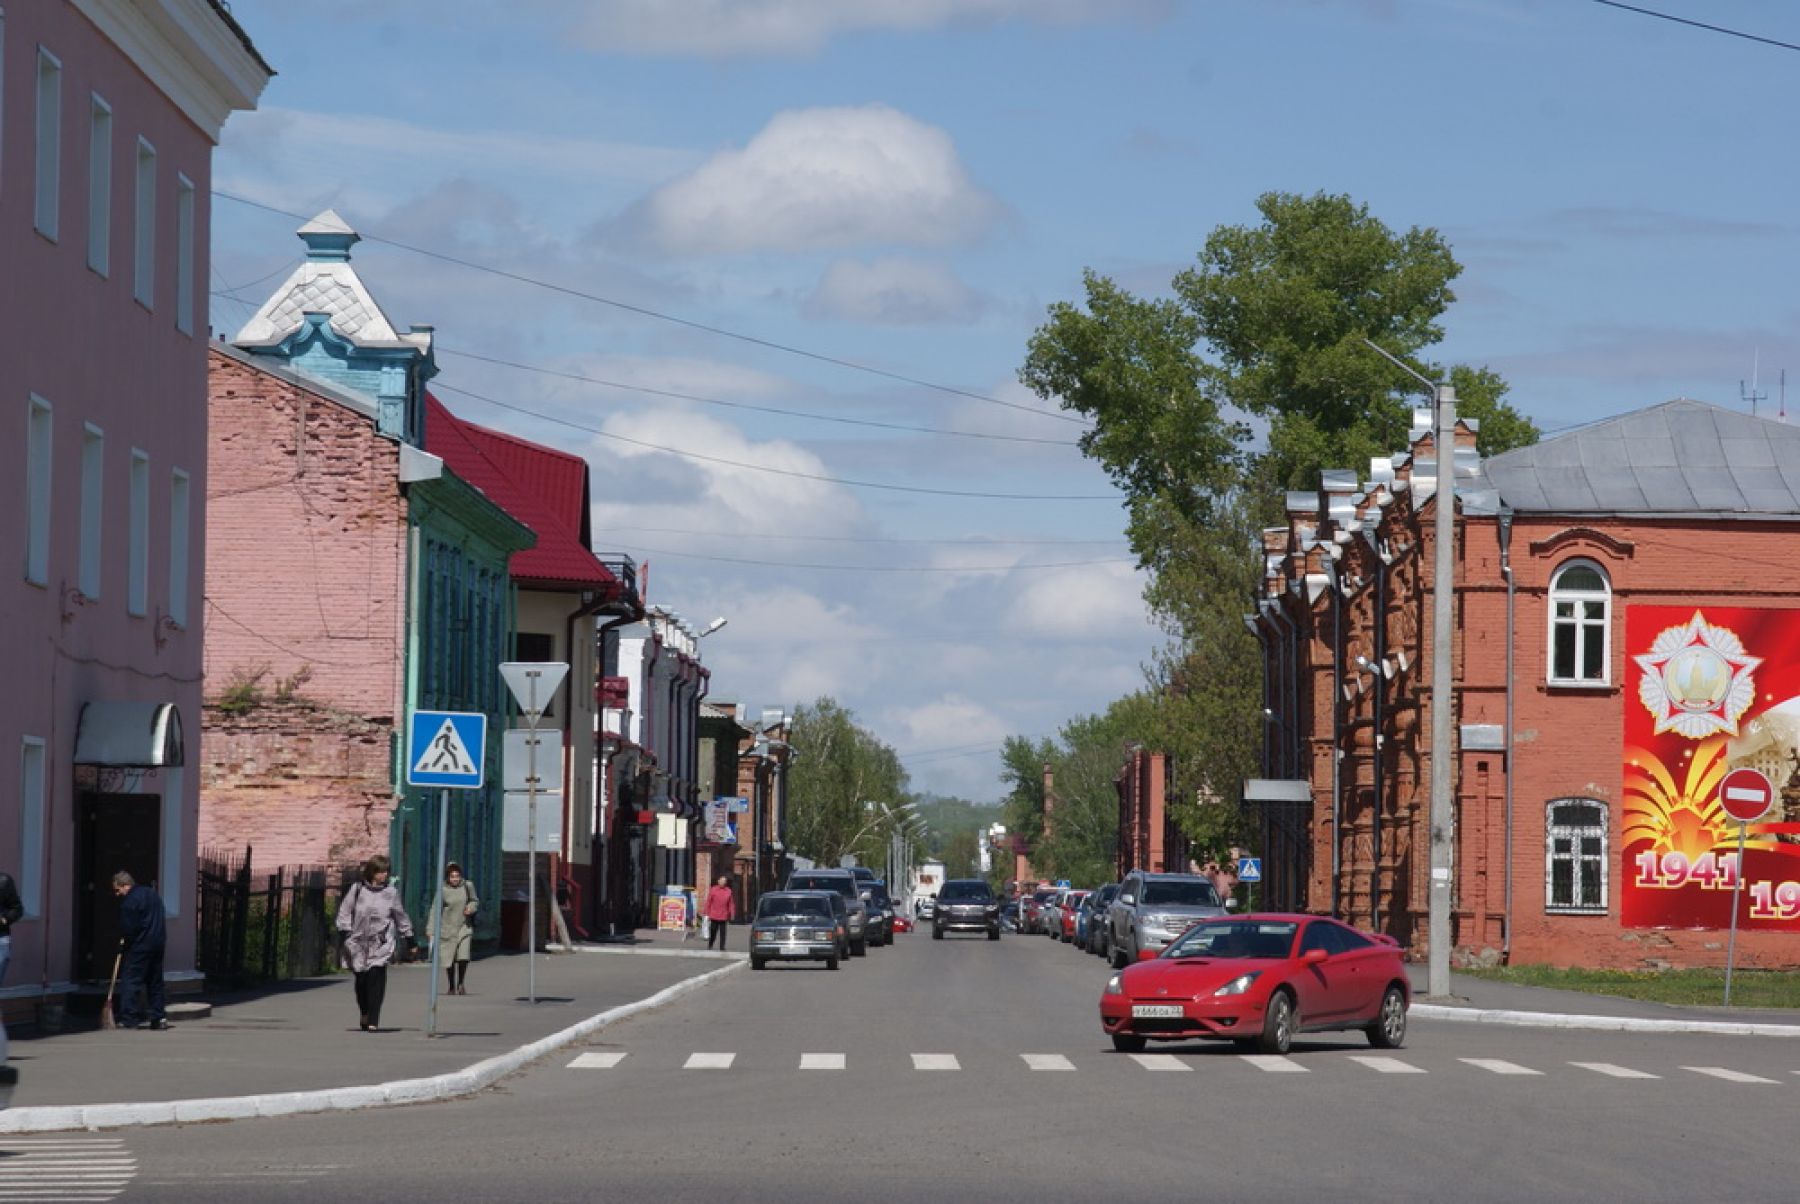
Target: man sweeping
x=142 y=936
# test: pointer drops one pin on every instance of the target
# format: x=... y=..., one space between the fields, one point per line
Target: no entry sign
x=1746 y=795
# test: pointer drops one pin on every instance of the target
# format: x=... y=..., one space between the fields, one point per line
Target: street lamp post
x=1442 y=815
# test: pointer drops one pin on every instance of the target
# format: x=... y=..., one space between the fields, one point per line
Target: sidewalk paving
x=303 y=1036
x=1483 y=1001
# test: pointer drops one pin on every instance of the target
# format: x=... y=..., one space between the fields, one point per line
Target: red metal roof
x=547 y=490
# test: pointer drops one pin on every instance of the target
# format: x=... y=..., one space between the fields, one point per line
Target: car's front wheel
x=757 y=963
x=1279 y=1023
x=993 y=934
x=1389 y=1029
x=859 y=948
x=831 y=963
x=1129 y=1042
x=937 y=934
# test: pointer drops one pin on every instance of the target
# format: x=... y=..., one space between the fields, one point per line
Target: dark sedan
x=798 y=925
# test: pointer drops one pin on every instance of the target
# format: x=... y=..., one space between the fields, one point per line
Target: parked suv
x=845 y=884
x=881 y=912
x=966 y=905
x=1151 y=910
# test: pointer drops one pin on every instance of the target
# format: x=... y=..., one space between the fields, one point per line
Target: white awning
x=129 y=735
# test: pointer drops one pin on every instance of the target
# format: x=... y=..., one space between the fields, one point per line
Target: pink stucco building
x=109 y=113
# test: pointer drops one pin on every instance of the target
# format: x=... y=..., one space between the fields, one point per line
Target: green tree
x=1269 y=329
x=843 y=785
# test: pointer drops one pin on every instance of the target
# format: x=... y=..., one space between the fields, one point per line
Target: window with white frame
x=184 y=254
x=33 y=805
x=178 y=548
x=144 y=227
x=1575 y=856
x=100 y=125
x=49 y=143
x=137 y=569
x=1580 y=619
x=93 y=493
x=37 y=492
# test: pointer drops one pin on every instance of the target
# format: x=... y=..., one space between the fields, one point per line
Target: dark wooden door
x=116 y=832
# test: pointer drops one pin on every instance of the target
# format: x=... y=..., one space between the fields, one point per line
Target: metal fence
x=261 y=927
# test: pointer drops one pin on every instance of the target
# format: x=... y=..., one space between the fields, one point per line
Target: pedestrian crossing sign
x=1249 y=869
x=446 y=748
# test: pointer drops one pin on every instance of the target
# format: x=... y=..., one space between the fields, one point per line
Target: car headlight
x=765 y=936
x=1239 y=985
x=1114 y=986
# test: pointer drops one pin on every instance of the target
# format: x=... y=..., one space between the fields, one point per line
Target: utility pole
x=1442 y=816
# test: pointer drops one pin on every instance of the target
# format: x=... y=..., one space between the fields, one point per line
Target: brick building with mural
x=1627 y=630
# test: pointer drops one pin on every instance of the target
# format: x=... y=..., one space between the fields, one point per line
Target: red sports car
x=902 y=923
x=1260 y=980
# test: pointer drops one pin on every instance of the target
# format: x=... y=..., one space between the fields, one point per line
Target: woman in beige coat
x=455 y=926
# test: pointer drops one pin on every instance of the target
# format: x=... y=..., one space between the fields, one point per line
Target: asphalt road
x=964 y=1069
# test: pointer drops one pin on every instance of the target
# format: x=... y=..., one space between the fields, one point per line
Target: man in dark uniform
x=142 y=936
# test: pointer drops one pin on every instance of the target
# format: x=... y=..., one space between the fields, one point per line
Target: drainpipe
x=1337 y=733
x=608 y=804
x=1262 y=642
x=1380 y=743
x=1504 y=527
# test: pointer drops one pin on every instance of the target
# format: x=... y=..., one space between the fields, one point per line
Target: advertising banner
x=1708 y=691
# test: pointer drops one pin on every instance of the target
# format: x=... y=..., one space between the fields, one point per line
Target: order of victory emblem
x=1697 y=680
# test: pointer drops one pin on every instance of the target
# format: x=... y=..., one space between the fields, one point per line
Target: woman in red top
x=720 y=910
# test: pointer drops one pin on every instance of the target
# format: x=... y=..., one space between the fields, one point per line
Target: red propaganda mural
x=1708 y=691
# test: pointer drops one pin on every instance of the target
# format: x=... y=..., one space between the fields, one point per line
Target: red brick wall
x=306 y=542
x=305 y=584
x=1568 y=741
x=300 y=783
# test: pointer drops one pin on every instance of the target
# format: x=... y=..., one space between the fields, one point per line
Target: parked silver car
x=799 y=925
x=1151 y=910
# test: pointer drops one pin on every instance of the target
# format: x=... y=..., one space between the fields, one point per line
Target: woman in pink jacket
x=720 y=910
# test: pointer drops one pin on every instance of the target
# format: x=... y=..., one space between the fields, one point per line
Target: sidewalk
x=303 y=1036
x=1477 y=1000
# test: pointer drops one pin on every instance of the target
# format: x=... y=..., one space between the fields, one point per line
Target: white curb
x=1614 y=1024
x=450 y=1085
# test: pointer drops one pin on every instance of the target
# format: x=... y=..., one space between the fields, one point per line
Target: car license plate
x=1154 y=1011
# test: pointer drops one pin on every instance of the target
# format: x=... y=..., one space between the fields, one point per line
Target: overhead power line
x=745 y=405
x=645 y=311
x=783 y=472
x=881 y=568
x=982 y=541
x=1728 y=32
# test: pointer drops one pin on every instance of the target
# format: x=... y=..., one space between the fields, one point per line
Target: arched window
x=1575 y=856
x=1580 y=619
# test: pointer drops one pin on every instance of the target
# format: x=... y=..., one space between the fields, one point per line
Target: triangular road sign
x=533 y=683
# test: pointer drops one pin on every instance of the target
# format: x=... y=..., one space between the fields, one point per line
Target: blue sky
x=907 y=184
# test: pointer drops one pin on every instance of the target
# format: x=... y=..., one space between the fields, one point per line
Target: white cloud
x=1101 y=598
x=948 y=721
x=816 y=179
x=726 y=28
x=721 y=496
x=892 y=292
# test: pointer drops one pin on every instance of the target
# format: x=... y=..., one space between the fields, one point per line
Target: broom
x=106 y=1012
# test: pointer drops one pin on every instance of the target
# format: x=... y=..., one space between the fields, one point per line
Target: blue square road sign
x=1249 y=869
x=446 y=748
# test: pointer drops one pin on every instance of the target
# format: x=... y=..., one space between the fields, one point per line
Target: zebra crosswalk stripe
x=1047 y=1062
x=1617 y=1072
x=935 y=1062
x=597 y=1061
x=822 y=1061
x=1272 y=1063
x=1730 y=1076
x=1386 y=1065
x=709 y=1061
x=1160 y=1062
x=1500 y=1067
